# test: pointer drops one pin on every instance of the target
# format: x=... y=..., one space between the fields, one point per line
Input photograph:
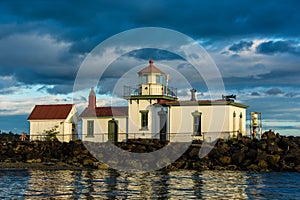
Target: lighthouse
x=152 y=88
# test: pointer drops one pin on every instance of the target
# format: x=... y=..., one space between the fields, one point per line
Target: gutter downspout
x=126 y=129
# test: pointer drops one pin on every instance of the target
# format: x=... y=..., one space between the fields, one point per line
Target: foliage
x=51 y=134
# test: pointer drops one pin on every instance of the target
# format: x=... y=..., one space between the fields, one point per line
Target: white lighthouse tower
x=142 y=112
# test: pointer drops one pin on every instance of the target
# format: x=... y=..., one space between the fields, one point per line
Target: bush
x=51 y=134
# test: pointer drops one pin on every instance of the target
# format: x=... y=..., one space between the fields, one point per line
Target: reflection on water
x=101 y=184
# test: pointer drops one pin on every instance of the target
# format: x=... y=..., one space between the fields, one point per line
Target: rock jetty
x=272 y=153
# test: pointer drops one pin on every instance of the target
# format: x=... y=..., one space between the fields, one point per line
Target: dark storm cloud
x=241 y=46
x=83 y=25
x=86 y=24
x=272 y=47
x=255 y=94
x=155 y=54
x=274 y=91
x=60 y=89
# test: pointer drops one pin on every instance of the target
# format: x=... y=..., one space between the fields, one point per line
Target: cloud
x=274 y=91
x=241 y=46
x=282 y=46
x=255 y=94
x=36 y=59
x=43 y=44
x=60 y=89
x=84 y=25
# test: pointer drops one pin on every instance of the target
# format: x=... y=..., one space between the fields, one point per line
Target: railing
x=137 y=91
x=60 y=137
x=204 y=136
x=103 y=137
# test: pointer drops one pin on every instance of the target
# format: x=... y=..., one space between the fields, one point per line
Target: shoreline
x=37 y=166
x=272 y=153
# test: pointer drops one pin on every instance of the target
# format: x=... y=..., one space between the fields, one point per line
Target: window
x=145 y=79
x=144 y=119
x=90 y=128
x=197 y=123
x=157 y=79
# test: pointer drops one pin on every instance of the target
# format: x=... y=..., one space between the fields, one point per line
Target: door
x=162 y=125
x=113 y=130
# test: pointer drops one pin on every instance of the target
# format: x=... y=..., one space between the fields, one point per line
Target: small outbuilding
x=62 y=118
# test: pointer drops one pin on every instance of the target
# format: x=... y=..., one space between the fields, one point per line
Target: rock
x=103 y=166
x=273 y=159
x=253 y=167
x=214 y=153
x=34 y=160
x=231 y=167
x=219 y=168
x=262 y=145
x=246 y=140
x=262 y=164
x=49 y=164
x=238 y=157
x=193 y=153
x=251 y=153
x=225 y=160
x=85 y=152
x=297 y=168
x=272 y=146
x=261 y=155
x=269 y=135
x=88 y=162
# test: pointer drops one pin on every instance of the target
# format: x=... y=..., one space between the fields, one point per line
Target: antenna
x=167 y=83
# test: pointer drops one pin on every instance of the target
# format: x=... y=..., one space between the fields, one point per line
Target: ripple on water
x=184 y=184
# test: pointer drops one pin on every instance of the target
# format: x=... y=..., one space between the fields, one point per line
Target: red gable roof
x=105 y=112
x=58 y=111
x=150 y=69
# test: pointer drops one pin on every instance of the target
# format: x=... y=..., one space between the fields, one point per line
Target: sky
x=255 y=45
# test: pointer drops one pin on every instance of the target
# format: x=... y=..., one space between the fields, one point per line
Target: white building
x=61 y=117
x=103 y=123
x=155 y=112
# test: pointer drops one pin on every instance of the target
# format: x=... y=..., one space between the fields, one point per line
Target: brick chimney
x=92 y=99
x=193 y=96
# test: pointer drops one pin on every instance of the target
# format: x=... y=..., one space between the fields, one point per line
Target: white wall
x=101 y=129
x=134 y=118
x=65 y=129
x=38 y=128
x=214 y=120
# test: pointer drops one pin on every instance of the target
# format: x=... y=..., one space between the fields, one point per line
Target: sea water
x=111 y=184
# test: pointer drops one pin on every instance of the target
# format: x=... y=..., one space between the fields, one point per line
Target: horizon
x=255 y=45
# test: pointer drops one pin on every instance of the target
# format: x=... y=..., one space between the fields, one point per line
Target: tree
x=51 y=134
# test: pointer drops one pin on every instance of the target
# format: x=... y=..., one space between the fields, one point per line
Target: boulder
x=238 y=157
x=297 y=168
x=103 y=166
x=253 y=167
x=262 y=164
x=261 y=155
x=268 y=135
x=272 y=146
x=88 y=162
x=225 y=160
x=251 y=153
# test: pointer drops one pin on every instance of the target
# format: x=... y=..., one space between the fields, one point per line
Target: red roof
x=58 y=111
x=105 y=112
x=150 y=68
x=201 y=102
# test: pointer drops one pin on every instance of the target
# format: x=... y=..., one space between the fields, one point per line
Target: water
x=101 y=184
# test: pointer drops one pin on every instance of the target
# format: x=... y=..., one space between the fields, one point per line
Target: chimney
x=193 y=92
x=92 y=99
